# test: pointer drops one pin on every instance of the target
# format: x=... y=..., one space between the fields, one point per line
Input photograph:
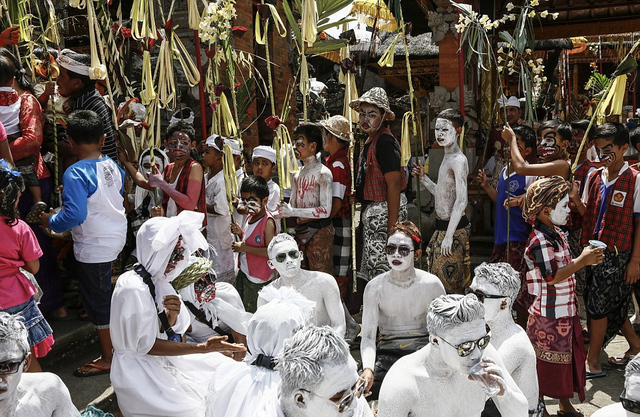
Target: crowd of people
x=210 y=303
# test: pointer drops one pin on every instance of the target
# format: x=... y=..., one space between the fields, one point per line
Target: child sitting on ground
x=554 y=322
x=20 y=250
x=258 y=231
x=92 y=208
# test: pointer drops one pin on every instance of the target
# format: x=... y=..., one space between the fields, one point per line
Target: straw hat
x=339 y=127
x=378 y=97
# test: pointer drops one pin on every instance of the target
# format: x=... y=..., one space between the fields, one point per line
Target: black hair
x=43 y=53
x=562 y=128
x=85 y=127
x=84 y=59
x=17 y=71
x=247 y=156
x=453 y=116
x=181 y=126
x=583 y=124
x=254 y=184
x=11 y=185
x=613 y=130
x=634 y=136
x=527 y=135
x=312 y=132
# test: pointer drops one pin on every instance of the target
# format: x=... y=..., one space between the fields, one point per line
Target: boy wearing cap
x=263 y=161
x=336 y=136
x=218 y=214
x=311 y=200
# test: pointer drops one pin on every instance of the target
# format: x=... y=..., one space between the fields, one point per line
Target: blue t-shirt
x=518 y=227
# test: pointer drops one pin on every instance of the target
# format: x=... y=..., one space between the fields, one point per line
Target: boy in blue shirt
x=92 y=208
x=518 y=230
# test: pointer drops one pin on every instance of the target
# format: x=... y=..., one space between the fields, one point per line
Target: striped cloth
x=341 y=246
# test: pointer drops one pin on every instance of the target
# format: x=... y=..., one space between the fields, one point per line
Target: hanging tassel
x=405 y=141
x=194 y=14
x=143 y=20
x=166 y=82
x=387 y=59
x=184 y=58
x=230 y=177
x=97 y=71
x=228 y=123
x=286 y=159
x=309 y=22
x=613 y=100
x=148 y=93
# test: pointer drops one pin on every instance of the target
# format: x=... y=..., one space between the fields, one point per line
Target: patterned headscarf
x=545 y=192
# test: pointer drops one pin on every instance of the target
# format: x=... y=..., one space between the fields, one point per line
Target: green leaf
x=328 y=7
x=506 y=36
x=293 y=23
x=326 y=46
x=322 y=28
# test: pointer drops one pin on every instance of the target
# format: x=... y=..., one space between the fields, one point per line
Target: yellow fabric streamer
x=142 y=20
x=405 y=139
x=166 y=81
x=351 y=89
x=194 y=14
x=148 y=92
x=230 y=178
x=228 y=122
x=613 y=100
x=261 y=38
x=97 y=71
x=387 y=59
x=286 y=159
x=184 y=58
x=309 y=22
x=305 y=85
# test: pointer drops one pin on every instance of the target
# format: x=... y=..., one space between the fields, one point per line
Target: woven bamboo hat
x=378 y=97
x=339 y=127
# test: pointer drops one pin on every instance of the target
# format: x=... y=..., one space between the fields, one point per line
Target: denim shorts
x=34 y=321
x=94 y=284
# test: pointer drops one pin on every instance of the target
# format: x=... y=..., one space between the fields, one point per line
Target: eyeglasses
x=344 y=403
x=293 y=254
x=481 y=296
x=403 y=250
x=628 y=404
x=465 y=348
x=10 y=367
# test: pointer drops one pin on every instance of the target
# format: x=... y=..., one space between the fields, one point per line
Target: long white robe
x=154 y=386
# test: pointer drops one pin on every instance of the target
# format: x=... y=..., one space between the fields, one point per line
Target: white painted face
x=10 y=352
x=491 y=305
x=289 y=267
x=461 y=333
x=632 y=384
x=402 y=243
x=323 y=402
x=446 y=134
x=560 y=214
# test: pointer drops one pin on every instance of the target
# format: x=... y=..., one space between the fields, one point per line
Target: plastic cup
x=477 y=373
x=594 y=244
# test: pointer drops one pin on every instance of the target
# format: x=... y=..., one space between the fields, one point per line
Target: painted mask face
x=302 y=148
x=205 y=288
x=446 y=134
x=179 y=145
x=608 y=152
x=492 y=305
x=286 y=258
x=550 y=147
x=456 y=335
x=399 y=251
x=12 y=360
x=370 y=118
x=576 y=139
x=251 y=202
x=178 y=261
x=340 y=381
x=560 y=214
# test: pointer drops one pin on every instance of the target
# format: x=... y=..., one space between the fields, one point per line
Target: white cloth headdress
x=71 y=64
x=266 y=152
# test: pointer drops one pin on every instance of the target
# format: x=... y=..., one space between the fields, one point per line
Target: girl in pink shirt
x=20 y=249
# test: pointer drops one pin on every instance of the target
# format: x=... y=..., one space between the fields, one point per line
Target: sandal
x=621 y=360
x=99 y=370
x=35 y=212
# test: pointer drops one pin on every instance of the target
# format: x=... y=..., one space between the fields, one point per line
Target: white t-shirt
x=219 y=233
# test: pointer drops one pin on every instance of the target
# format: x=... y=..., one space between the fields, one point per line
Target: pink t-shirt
x=19 y=245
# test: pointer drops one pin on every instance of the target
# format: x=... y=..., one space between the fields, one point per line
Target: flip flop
x=621 y=360
x=34 y=213
x=101 y=370
x=594 y=375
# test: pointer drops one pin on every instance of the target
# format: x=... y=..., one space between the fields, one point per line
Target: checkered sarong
x=341 y=246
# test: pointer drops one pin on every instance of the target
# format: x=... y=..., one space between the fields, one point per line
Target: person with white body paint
x=239 y=387
x=396 y=305
x=319 y=378
x=441 y=378
x=153 y=373
x=40 y=394
x=497 y=286
x=448 y=250
x=629 y=405
x=286 y=258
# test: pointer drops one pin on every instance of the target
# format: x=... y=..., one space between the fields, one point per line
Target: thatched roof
x=419 y=45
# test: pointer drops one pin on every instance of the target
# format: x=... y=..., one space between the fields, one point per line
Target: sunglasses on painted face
x=281 y=257
x=10 y=367
x=345 y=402
x=481 y=295
x=465 y=348
x=403 y=250
x=628 y=404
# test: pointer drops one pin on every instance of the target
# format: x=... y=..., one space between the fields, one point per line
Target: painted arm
x=320 y=212
x=370 y=317
x=332 y=303
x=510 y=401
x=418 y=171
x=186 y=201
x=460 y=171
x=393 y=181
x=519 y=165
x=398 y=396
x=137 y=177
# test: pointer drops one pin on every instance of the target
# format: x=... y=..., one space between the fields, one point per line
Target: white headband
x=266 y=152
x=71 y=64
x=234 y=145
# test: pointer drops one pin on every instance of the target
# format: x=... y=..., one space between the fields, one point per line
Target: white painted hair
x=305 y=355
x=502 y=276
x=452 y=309
x=633 y=367
x=12 y=329
x=282 y=237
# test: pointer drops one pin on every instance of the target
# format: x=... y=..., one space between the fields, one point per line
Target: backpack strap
x=202 y=318
x=166 y=327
